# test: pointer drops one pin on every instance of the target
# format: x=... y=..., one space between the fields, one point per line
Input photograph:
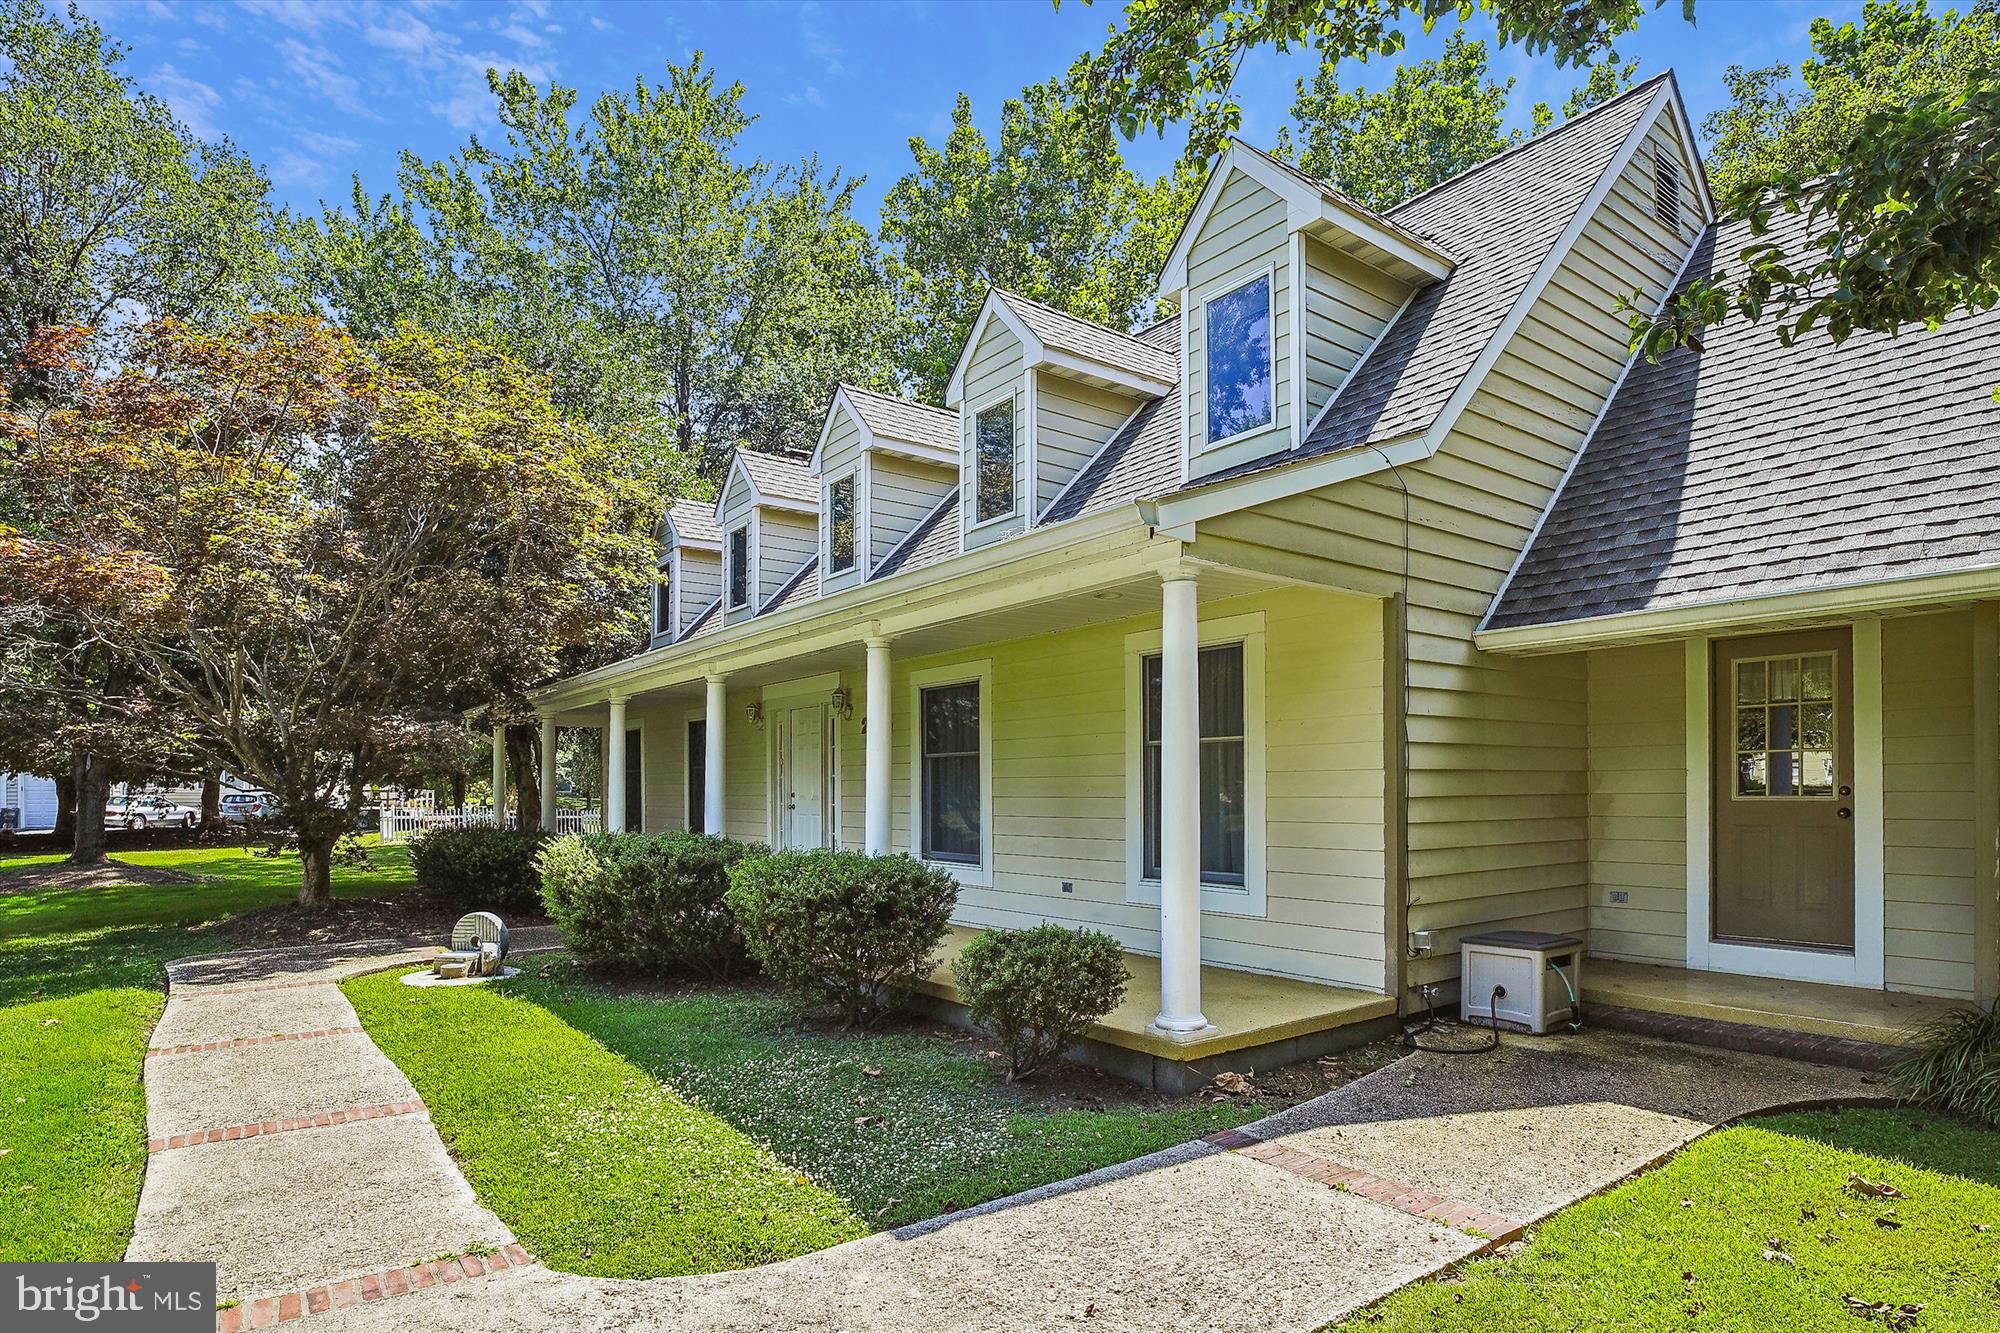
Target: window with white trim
x=1224 y=770
x=840 y=525
x=993 y=461
x=952 y=823
x=1238 y=351
x=739 y=567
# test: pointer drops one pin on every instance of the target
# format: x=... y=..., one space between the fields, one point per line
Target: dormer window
x=1237 y=343
x=840 y=525
x=663 y=615
x=739 y=567
x=993 y=442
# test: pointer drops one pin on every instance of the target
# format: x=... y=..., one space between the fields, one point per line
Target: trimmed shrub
x=1037 y=991
x=481 y=869
x=840 y=926
x=646 y=902
x=1954 y=1064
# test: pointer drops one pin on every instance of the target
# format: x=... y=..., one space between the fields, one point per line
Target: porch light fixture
x=843 y=703
x=755 y=712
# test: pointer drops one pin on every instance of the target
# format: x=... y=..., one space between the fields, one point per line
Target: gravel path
x=288 y=1149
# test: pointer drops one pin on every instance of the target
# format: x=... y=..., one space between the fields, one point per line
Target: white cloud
x=817 y=42
x=318 y=70
x=191 y=99
x=806 y=96
x=299 y=15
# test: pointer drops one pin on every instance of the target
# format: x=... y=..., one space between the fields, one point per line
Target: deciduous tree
x=321 y=552
x=680 y=294
x=1052 y=211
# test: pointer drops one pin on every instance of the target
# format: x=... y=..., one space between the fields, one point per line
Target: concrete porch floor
x=1260 y=1021
x=1877 y=1016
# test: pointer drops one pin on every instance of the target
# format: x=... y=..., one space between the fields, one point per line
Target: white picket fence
x=402 y=821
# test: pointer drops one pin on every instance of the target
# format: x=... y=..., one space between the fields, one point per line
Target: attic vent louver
x=1667 y=188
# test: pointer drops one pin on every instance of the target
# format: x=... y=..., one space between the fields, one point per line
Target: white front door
x=801 y=778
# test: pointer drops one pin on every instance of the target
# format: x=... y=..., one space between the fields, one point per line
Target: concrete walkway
x=289 y=1150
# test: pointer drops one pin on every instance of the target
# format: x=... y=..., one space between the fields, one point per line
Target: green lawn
x=80 y=990
x=1753 y=1228
x=628 y=1135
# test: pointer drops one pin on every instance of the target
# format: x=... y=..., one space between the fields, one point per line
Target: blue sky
x=320 y=91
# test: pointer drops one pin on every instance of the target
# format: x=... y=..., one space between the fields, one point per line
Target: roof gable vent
x=1667 y=188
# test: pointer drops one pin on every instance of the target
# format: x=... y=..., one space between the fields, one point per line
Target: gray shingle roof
x=802 y=586
x=1749 y=470
x=1143 y=460
x=709 y=619
x=1067 y=333
x=1501 y=219
x=780 y=477
x=694 y=520
x=932 y=540
x=901 y=419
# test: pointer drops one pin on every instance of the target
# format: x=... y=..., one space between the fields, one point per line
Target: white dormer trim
x=1306 y=205
x=993 y=308
x=1036 y=354
x=1207 y=501
x=921 y=451
x=758 y=499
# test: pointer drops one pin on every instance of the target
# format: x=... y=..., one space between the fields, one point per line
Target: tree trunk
x=65 y=830
x=315 y=870
x=211 y=802
x=458 y=791
x=92 y=782
x=523 y=755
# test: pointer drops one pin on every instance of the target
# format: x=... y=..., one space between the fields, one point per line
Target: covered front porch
x=1258 y=1021
x=1080 y=802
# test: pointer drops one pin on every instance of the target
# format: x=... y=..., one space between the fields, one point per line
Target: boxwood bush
x=646 y=902
x=838 y=927
x=1037 y=991
x=480 y=869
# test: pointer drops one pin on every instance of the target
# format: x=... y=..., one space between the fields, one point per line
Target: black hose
x=1432 y=1022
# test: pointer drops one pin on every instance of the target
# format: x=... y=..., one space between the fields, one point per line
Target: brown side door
x=1783 y=708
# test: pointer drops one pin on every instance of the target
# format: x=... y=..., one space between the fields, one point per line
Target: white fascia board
x=1475 y=377
x=1575 y=459
x=1690 y=146
x=1288 y=478
x=993 y=308
x=1846 y=600
x=1052 y=544
x=736 y=470
x=1123 y=376
x=1305 y=205
x=841 y=403
x=917 y=451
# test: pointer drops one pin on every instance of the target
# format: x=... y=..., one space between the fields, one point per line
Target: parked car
x=143 y=812
x=244 y=807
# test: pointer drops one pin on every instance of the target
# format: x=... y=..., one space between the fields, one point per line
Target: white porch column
x=549 y=772
x=875 y=825
x=500 y=777
x=1180 y=809
x=614 y=768
x=713 y=730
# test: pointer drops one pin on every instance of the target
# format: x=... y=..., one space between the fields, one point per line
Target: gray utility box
x=1531 y=967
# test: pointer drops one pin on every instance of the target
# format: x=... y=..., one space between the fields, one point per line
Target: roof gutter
x=1839 y=602
x=749 y=635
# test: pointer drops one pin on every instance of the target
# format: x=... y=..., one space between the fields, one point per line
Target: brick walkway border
x=1814 y=1048
x=264 y=1311
x=1403 y=1198
x=225 y=1133
x=236 y=1042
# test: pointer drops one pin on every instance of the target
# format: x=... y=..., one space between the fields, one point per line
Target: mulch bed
x=63 y=875
x=348 y=919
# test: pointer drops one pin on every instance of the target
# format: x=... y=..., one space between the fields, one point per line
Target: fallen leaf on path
x=1232 y=1084
x=1888 y=1220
